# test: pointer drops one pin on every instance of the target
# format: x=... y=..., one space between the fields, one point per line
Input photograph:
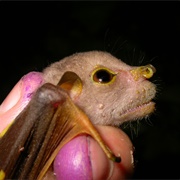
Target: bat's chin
x=138 y=112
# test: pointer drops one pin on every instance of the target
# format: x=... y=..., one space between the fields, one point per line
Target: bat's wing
x=50 y=120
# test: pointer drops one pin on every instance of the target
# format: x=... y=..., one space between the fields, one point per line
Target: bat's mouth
x=138 y=111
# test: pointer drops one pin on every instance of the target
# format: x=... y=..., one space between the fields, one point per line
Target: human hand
x=82 y=157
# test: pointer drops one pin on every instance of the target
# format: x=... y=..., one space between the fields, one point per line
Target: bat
x=80 y=91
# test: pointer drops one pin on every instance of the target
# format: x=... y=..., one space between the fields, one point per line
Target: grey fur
x=107 y=104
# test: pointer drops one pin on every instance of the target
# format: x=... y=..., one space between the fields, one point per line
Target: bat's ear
x=71 y=83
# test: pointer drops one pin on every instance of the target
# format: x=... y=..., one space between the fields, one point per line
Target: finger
x=82 y=157
x=121 y=145
x=19 y=97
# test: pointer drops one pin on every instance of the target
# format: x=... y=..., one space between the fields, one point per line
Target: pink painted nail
x=73 y=160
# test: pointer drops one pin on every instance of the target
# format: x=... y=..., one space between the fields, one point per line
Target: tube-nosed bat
x=78 y=91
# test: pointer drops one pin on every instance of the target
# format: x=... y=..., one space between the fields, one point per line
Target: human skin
x=100 y=166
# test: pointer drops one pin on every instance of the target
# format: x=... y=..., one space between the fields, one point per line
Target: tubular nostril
x=145 y=71
x=148 y=71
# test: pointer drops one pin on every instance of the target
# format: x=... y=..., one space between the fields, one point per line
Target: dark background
x=34 y=34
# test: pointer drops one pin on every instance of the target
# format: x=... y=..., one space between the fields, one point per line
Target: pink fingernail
x=73 y=160
x=30 y=83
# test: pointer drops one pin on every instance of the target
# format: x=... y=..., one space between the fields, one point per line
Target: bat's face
x=112 y=91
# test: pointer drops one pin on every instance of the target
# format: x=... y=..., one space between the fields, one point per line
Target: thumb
x=19 y=97
x=82 y=157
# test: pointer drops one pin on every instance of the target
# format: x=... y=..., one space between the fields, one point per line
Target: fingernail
x=30 y=82
x=73 y=160
x=111 y=168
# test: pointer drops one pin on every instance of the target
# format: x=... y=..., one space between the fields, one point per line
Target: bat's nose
x=143 y=71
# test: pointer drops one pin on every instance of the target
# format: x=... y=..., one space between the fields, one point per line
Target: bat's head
x=109 y=91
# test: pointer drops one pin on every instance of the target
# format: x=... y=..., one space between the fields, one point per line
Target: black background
x=34 y=34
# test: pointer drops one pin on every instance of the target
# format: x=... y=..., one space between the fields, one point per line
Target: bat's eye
x=103 y=76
